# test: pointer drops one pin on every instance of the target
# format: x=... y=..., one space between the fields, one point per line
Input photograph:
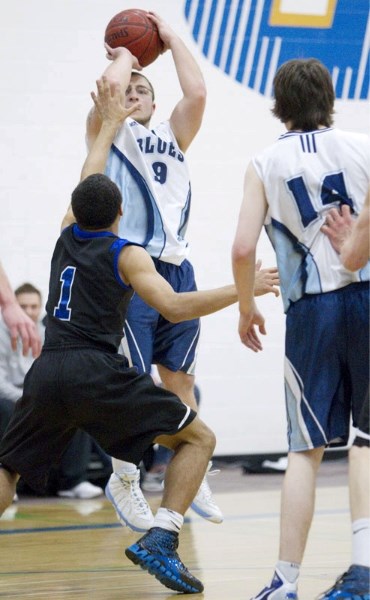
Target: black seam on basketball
x=149 y=43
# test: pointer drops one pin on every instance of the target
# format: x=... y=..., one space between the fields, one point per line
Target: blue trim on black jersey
x=116 y=248
x=85 y=233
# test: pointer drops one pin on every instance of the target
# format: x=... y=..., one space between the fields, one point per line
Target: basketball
x=132 y=29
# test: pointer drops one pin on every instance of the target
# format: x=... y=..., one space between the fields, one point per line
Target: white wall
x=51 y=52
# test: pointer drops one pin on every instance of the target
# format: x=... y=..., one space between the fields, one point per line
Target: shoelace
x=204 y=490
x=132 y=485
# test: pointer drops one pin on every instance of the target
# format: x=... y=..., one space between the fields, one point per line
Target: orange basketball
x=132 y=29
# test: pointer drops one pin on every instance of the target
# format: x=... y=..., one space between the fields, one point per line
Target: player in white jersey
x=150 y=170
x=149 y=167
x=291 y=187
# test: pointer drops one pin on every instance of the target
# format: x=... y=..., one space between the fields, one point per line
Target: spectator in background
x=70 y=475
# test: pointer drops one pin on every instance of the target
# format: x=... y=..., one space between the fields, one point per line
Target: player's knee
x=207 y=438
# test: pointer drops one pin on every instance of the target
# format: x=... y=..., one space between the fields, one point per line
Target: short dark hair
x=138 y=74
x=27 y=288
x=96 y=202
x=304 y=94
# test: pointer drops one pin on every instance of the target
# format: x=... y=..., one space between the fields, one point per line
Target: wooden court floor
x=67 y=549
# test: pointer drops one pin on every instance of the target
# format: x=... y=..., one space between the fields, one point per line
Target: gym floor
x=74 y=549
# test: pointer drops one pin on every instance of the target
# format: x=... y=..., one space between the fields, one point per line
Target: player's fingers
x=13 y=337
x=25 y=337
x=132 y=108
x=346 y=211
x=35 y=347
x=258 y=264
x=262 y=329
x=253 y=340
x=109 y=51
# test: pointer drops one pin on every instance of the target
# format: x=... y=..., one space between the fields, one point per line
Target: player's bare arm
x=251 y=218
x=137 y=269
x=118 y=72
x=112 y=112
x=187 y=115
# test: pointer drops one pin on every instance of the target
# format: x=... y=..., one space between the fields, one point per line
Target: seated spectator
x=69 y=478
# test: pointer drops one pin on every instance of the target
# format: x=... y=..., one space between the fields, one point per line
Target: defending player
x=81 y=382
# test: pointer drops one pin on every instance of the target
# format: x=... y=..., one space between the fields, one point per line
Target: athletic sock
x=168 y=519
x=121 y=466
x=290 y=570
x=360 y=542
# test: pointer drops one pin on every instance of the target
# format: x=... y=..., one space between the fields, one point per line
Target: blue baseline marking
x=61 y=528
x=273 y=515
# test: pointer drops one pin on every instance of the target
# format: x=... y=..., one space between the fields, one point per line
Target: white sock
x=361 y=542
x=290 y=570
x=121 y=466
x=168 y=519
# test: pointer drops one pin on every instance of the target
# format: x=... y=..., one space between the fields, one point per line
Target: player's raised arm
x=187 y=115
x=112 y=112
x=117 y=73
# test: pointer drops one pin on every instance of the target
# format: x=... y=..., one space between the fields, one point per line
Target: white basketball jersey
x=304 y=175
x=152 y=174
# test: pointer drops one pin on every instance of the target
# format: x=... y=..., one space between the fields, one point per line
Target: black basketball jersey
x=87 y=300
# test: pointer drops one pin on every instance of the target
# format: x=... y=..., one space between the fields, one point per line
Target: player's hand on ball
x=165 y=32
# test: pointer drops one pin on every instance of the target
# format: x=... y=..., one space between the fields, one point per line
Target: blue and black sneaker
x=352 y=585
x=156 y=553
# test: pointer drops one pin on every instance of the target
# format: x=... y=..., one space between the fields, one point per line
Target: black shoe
x=156 y=553
x=352 y=585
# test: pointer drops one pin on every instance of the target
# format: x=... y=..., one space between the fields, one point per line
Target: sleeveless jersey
x=152 y=174
x=87 y=300
x=304 y=175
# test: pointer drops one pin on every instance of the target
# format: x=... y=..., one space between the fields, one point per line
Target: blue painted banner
x=249 y=39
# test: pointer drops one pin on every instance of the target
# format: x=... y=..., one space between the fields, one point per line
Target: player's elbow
x=199 y=96
x=171 y=310
x=201 y=93
x=354 y=263
x=174 y=315
x=242 y=253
